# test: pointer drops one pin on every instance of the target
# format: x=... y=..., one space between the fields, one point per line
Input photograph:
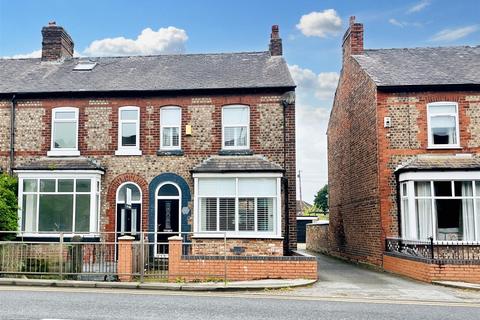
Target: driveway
x=338 y=278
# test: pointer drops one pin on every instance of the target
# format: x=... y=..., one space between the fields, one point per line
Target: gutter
x=12 y=133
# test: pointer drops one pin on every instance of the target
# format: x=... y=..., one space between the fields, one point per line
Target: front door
x=128 y=220
x=167 y=223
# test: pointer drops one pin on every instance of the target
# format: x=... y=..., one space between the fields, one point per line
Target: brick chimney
x=275 y=46
x=353 y=39
x=56 y=43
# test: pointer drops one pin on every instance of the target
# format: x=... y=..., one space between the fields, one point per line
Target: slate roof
x=422 y=66
x=61 y=164
x=224 y=164
x=140 y=73
x=428 y=163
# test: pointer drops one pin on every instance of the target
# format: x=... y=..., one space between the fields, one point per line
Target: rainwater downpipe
x=285 y=179
x=12 y=133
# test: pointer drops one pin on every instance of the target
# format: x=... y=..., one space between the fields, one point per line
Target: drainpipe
x=12 y=133
x=287 y=99
x=285 y=179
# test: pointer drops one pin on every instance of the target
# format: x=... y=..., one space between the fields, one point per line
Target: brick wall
x=247 y=247
x=355 y=226
x=363 y=156
x=98 y=129
x=197 y=268
x=428 y=272
x=317 y=237
x=407 y=138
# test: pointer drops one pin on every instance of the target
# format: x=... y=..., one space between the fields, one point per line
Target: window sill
x=235 y=152
x=165 y=153
x=46 y=236
x=444 y=148
x=63 y=153
x=236 y=236
x=123 y=152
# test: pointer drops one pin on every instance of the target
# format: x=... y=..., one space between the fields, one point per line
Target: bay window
x=64 y=133
x=56 y=203
x=236 y=127
x=239 y=206
x=128 y=131
x=445 y=206
x=443 y=125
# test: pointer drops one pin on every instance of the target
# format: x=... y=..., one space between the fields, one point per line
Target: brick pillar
x=174 y=257
x=125 y=261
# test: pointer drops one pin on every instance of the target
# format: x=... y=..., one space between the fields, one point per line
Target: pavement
x=338 y=278
x=203 y=286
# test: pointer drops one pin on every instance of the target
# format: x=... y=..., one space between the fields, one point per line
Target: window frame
x=63 y=151
x=179 y=147
x=128 y=150
x=236 y=106
x=431 y=145
x=410 y=178
x=95 y=200
x=276 y=232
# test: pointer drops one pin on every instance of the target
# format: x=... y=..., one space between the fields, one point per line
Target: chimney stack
x=56 y=43
x=275 y=42
x=353 y=39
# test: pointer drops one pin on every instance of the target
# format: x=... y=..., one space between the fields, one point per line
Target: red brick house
x=182 y=143
x=404 y=159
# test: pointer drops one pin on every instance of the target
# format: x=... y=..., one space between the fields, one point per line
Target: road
x=58 y=303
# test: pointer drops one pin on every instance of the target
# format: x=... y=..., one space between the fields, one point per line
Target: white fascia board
x=239 y=175
x=439 y=175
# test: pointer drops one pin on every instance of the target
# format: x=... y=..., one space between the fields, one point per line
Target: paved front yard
x=342 y=279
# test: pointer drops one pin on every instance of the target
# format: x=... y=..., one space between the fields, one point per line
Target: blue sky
x=311 y=32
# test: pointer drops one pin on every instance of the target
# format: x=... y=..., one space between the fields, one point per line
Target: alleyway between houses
x=341 y=279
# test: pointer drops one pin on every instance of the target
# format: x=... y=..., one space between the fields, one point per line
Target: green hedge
x=8 y=204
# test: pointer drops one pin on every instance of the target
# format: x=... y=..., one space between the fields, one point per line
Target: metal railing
x=443 y=251
x=96 y=257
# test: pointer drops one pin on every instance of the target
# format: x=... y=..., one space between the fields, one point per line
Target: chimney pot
x=275 y=46
x=353 y=39
x=56 y=44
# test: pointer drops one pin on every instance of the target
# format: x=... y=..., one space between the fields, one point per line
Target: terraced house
x=168 y=143
x=404 y=159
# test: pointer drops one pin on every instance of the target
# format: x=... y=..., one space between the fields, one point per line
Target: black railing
x=443 y=251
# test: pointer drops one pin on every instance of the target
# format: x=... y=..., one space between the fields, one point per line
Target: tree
x=8 y=204
x=321 y=199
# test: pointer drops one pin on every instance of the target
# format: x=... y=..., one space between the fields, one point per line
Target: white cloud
x=395 y=22
x=322 y=85
x=320 y=24
x=314 y=99
x=419 y=6
x=163 y=41
x=454 y=34
x=33 y=54
x=402 y=24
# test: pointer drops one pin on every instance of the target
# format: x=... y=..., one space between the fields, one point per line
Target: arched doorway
x=129 y=210
x=168 y=215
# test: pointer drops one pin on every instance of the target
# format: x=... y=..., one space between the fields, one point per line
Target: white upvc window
x=129 y=131
x=170 y=124
x=64 y=132
x=443 y=125
x=441 y=205
x=60 y=202
x=240 y=205
x=236 y=127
